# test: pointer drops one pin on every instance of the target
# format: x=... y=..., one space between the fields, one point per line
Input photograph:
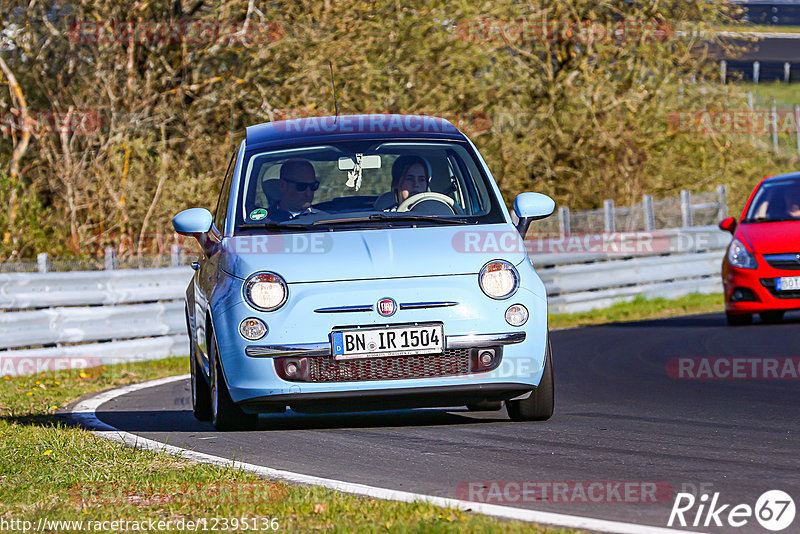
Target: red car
x=761 y=270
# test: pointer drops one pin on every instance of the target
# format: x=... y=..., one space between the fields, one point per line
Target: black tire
x=539 y=406
x=225 y=415
x=201 y=393
x=772 y=316
x=485 y=406
x=739 y=319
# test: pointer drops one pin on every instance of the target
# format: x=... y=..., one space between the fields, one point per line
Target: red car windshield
x=775 y=200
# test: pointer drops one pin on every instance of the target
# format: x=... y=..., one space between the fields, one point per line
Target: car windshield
x=775 y=200
x=372 y=184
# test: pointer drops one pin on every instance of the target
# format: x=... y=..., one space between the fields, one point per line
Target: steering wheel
x=409 y=203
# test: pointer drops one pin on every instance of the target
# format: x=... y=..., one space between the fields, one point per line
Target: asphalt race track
x=619 y=418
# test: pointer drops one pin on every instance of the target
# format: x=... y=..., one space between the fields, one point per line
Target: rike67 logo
x=774 y=510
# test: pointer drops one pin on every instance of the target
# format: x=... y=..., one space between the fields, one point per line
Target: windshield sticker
x=258 y=214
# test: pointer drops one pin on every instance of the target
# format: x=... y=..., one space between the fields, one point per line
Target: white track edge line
x=84 y=412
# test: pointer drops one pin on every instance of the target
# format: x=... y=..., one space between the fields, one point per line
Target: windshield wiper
x=387 y=217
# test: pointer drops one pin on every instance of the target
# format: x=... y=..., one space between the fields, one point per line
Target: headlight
x=265 y=291
x=738 y=256
x=498 y=279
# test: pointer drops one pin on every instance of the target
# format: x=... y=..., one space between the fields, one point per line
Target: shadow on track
x=713 y=320
x=184 y=421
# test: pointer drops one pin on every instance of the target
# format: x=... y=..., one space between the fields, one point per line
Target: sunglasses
x=302 y=186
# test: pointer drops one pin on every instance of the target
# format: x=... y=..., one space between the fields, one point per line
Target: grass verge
x=55 y=472
x=641 y=308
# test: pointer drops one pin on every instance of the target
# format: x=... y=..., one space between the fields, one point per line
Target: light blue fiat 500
x=364 y=262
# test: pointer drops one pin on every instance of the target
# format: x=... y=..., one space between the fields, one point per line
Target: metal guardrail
x=687 y=261
x=52 y=321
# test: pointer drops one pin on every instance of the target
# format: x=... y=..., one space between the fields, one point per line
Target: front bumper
x=753 y=290
x=472 y=321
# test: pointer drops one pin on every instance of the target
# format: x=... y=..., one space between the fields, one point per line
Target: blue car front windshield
x=362 y=184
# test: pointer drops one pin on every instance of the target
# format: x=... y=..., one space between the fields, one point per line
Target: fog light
x=486 y=357
x=252 y=329
x=516 y=315
x=291 y=369
x=743 y=294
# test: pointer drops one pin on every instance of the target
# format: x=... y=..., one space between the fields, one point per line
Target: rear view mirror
x=366 y=162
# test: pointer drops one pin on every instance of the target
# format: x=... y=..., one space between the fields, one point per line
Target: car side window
x=222 y=202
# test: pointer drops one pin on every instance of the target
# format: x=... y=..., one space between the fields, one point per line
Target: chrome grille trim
x=324 y=349
x=344 y=309
x=403 y=306
x=485 y=340
x=422 y=305
x=296 y=349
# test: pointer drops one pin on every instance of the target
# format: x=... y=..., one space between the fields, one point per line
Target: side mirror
x=531 y=207
x=197 y=223
x=729 y=224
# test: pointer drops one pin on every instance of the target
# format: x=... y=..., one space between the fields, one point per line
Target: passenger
x=410 y=176
x=297 y=185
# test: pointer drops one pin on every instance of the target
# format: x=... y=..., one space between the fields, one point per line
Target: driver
x=297 y=185
x=791 y=196
x=410 y=176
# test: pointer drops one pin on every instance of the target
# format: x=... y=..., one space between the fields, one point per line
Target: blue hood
x=372 y=254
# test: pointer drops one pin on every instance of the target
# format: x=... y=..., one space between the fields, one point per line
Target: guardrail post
x=787 y=71
x=649 y=213
x=750 y=108
x=563 y=220
x=43 y=262
x=608 y=216
x=176 y=254
x=722 y=191
x=111 y=258
x=686 y=208
x=723 y=70
x=756 y=69
x=774 y=122
x=797 y=125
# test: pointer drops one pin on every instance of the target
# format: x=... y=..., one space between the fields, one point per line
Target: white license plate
x=788 y=283
x=390 y=341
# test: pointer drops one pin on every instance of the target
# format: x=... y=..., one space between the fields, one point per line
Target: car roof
x=350 y=127
x=782 y=176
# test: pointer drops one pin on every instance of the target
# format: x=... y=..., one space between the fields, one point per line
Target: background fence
x=60 y=320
